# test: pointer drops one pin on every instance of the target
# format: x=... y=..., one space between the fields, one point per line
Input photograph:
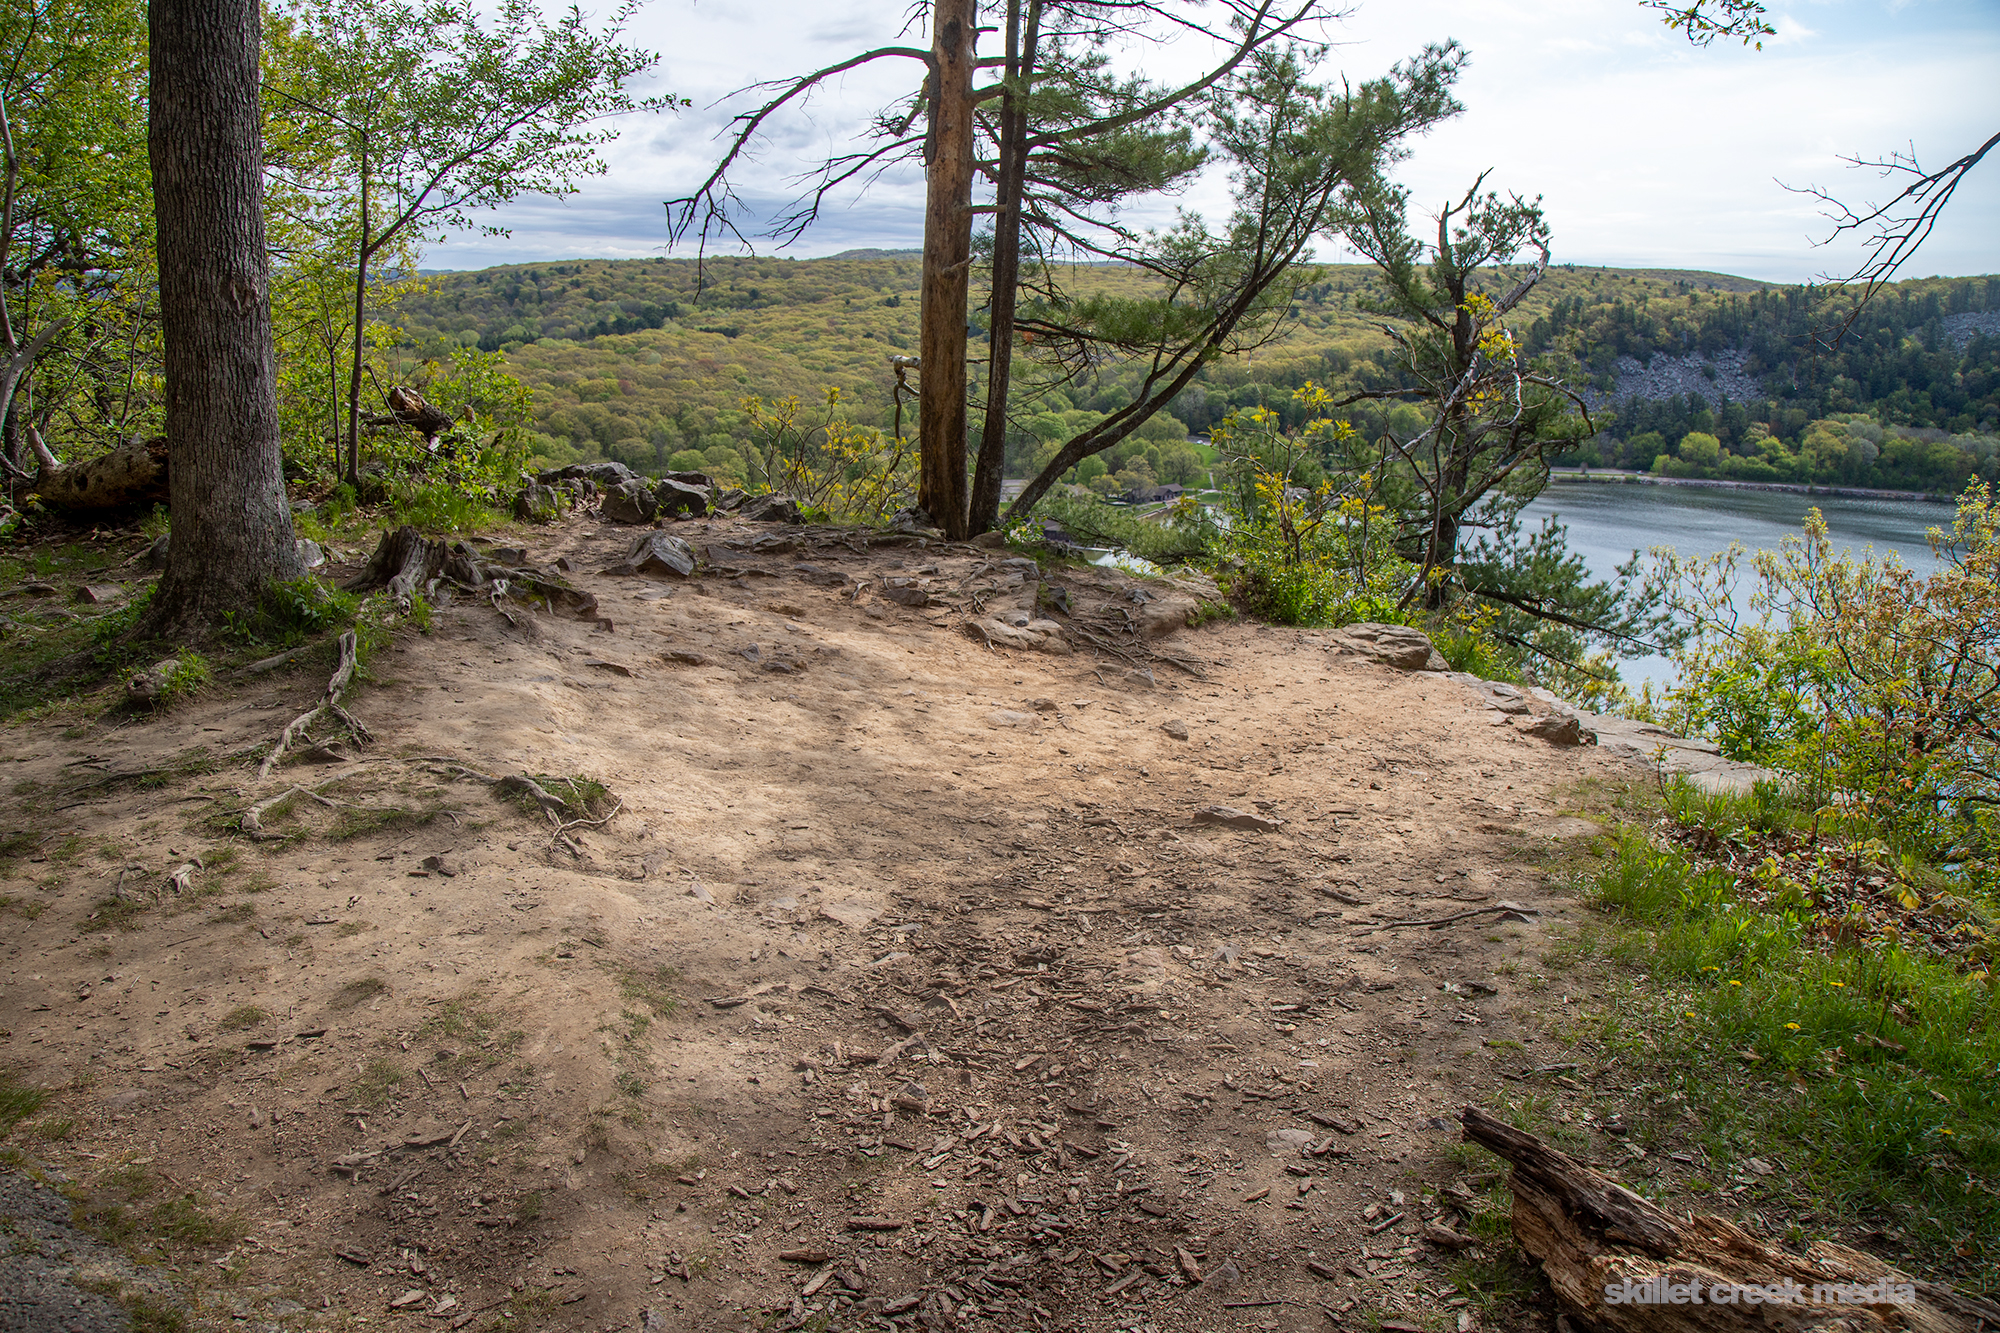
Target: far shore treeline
x=646 y=362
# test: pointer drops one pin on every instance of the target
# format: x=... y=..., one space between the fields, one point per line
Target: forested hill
x=644 y=359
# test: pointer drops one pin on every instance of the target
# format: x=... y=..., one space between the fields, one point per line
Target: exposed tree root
x=329 y=702
x=408 y=565
x=251 y=822
x=520 y=784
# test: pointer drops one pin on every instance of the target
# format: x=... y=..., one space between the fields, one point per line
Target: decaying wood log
x=1618 y=1262
x=412 y=411
x=131 y=476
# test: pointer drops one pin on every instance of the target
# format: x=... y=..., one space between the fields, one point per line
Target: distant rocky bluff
x=1711 y=378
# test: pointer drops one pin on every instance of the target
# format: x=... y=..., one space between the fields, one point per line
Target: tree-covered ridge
x=643 y=359
x=1907 y=396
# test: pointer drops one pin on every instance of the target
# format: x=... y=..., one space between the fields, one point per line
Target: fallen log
x=132 y=476
x=1618 y=1262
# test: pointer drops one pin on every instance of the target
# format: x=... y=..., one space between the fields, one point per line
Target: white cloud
x=1645 y=150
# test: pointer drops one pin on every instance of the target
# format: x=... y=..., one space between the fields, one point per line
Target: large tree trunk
x=991 y=466
x=232 y=528
x=1689 y=1275
x=947 y=263
x=132 y=476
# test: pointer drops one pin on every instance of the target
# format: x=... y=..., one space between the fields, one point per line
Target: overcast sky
x=1647 y=152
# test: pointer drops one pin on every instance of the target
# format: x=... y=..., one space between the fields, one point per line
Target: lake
x=1608 y=522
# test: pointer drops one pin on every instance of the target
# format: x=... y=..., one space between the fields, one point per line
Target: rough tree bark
x=941 y=489
x=232 y=527
x=990 y=468
x=1589 y=1233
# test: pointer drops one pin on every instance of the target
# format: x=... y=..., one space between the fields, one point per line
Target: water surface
x=1608 y=522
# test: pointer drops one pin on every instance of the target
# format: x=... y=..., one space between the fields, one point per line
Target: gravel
x=43 y=1259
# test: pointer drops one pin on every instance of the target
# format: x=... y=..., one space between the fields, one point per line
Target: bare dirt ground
x=903 y=989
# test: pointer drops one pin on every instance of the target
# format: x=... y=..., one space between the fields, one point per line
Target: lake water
x=1608 y=522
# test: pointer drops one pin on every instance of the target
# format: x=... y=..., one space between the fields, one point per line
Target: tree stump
x=1618 y=1262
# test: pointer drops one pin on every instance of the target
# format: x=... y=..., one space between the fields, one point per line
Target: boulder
x=605 y=475
x=1039 y=635
x=657 y=553
x=1559 y=729
x=630 y=502
x=1503 y=697
x=676 y=497
x=1398 y=646
x=911 y=519
x=698 y=479
x=540 y=502
x=1194 y=583
x=905 y=592
x=1162 y=613
x=770 y=509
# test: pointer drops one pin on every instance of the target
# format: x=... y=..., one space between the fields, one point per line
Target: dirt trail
x=903 y=986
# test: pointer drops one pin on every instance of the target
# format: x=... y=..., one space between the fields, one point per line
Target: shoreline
x=1607 y=477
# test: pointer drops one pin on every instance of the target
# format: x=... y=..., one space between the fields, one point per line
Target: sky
x=1646 y=152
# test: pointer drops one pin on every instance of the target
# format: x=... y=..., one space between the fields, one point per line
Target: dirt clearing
x=883 y=969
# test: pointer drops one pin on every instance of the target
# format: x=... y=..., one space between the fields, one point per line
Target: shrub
x=1873 y=687
x=293 y=610
x=827 y=463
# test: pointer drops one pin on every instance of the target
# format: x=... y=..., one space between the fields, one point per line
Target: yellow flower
x=1946 y=1129
x=1736 y=983
x=1836 y=983
x=1792 y=1026
x=1690 y=1013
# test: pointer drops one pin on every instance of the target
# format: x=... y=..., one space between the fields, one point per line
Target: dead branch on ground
x=1619 y=1263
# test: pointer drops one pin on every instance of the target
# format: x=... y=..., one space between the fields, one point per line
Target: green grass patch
x=26 y=908
x=352 y=823
x=582 y=797
x=1862 y=1065
x=113 y=914
x=18 y=1100
x=123 y=1208
x=242 y=1017
x=379 y=1078
x=441 y=507
x=292 y=611
x=653 y=988
x=54 y=1129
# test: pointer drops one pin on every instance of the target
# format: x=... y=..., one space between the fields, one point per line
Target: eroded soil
x=903 y=985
